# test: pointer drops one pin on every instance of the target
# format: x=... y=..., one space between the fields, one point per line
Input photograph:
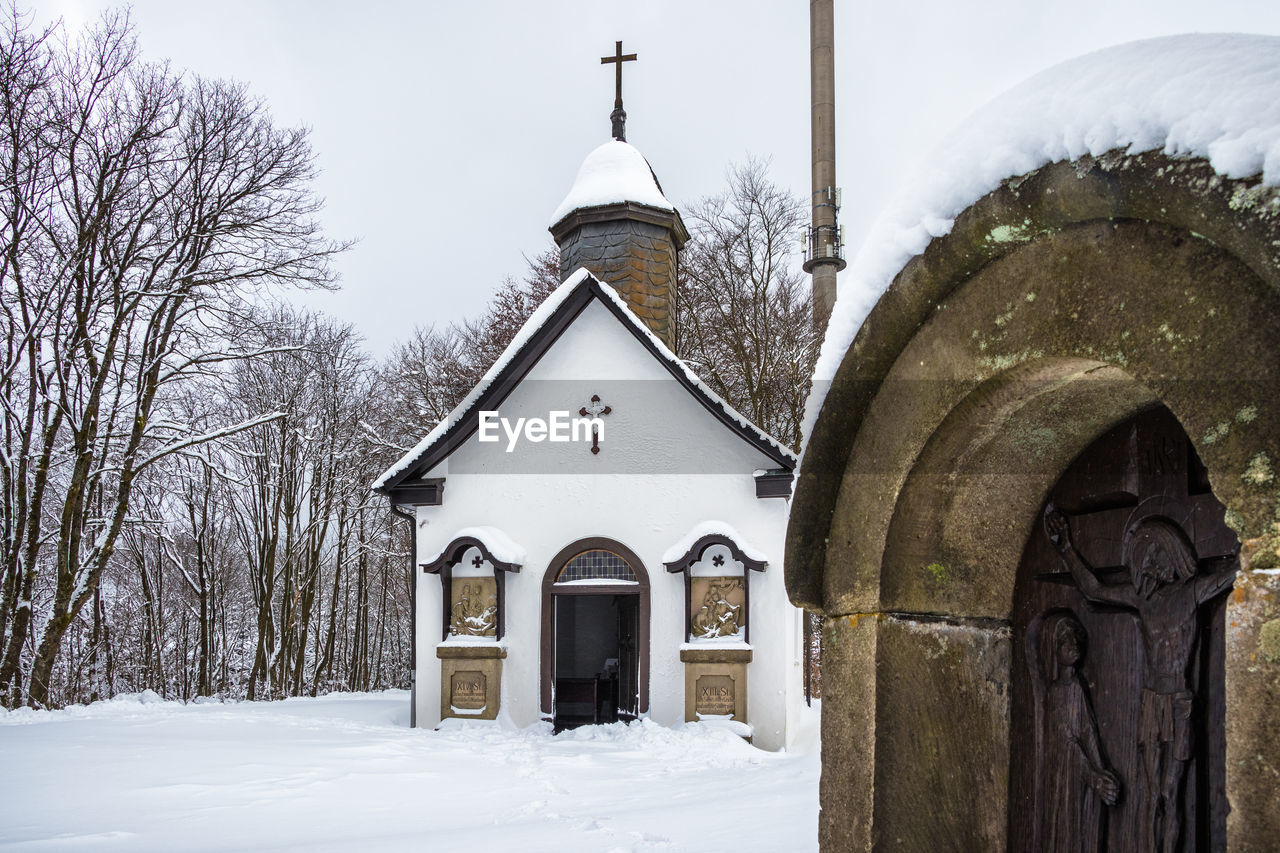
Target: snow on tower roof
x=613 y=173
x=1210 y=96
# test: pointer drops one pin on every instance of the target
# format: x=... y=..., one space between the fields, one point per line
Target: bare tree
x=431 y=373
x=743 y=305
x=140 y=210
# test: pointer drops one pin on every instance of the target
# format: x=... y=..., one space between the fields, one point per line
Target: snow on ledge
x=471 y=640
x=500 y=545
x=725 y=722
x=712 y=528
x=731 y=642
x=1215 y=96
x=613 y=173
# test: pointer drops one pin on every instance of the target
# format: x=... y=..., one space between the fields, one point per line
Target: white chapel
x=598 y=536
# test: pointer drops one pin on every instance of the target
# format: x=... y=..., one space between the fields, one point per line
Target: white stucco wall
x=665 y=465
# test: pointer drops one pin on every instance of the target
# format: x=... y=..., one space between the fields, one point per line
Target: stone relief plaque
x=467 y=691
x=474 y=607
x=716 y=606
x=715 y=695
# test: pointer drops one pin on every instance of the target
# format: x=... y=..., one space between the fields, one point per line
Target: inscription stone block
x=715 y=694
x=467 y=690
x=470 y=680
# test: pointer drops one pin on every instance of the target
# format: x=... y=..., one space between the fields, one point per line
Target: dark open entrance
x=1117 y=732
x=596 y=659
x=595 y=635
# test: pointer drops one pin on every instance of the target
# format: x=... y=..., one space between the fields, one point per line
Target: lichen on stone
x=1009 y=234
x=1216 y=433
x=999 y=363
x=1259 y=472
x=1269 y=641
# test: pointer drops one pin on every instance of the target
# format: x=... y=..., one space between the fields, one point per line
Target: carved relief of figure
x=1076 y=779
x=1165 y=591
x=475 y=612
x=718 y=617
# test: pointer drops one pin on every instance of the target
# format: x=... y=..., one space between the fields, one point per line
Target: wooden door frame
x=549 y=593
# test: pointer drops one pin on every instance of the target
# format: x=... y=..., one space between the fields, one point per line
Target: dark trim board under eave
x=774 y=484
x=524 y=360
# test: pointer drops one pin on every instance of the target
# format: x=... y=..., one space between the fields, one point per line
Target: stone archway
x=1061 y=304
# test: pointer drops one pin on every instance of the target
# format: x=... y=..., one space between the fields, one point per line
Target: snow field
x=344 y=772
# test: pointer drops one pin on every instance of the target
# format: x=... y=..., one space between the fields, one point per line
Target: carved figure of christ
x=1165 y=591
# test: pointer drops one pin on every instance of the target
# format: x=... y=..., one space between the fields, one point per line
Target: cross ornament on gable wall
x=595 y=409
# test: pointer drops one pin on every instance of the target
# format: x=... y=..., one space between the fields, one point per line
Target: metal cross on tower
x=619 y=115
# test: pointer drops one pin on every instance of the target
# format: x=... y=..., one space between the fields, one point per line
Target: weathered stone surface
x=714 y=655
x=1253 y=712
x=942 y=722
x=1060 y=305
x=848 y=720
x=462 y=669
x=717 y=688
x=1185 y=197
x=923 y=756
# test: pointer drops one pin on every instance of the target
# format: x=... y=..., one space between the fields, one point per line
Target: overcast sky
x=448 y=132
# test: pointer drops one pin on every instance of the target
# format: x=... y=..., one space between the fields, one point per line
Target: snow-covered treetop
x=1210 y=96
x=613 y=173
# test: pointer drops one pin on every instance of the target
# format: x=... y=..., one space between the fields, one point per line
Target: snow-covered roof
x=613 y=173
x=501 y=546
x=1210 y=96
x=502 y=368
x=712 y=528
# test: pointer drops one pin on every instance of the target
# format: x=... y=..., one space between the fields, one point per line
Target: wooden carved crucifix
x=1136 y=568
x=594 y=409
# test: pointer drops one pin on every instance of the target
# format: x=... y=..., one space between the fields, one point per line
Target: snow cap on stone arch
x=613 y=173
x=1212 y=96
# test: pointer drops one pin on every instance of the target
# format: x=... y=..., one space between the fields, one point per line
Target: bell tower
x=617 y=223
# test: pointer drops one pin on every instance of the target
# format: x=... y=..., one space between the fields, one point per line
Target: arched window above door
x=597 y=565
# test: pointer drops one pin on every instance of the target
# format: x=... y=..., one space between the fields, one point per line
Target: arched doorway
x=595 y=635
x=1118 y=714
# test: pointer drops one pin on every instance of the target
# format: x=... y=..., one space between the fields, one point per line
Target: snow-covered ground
x=343 y=772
